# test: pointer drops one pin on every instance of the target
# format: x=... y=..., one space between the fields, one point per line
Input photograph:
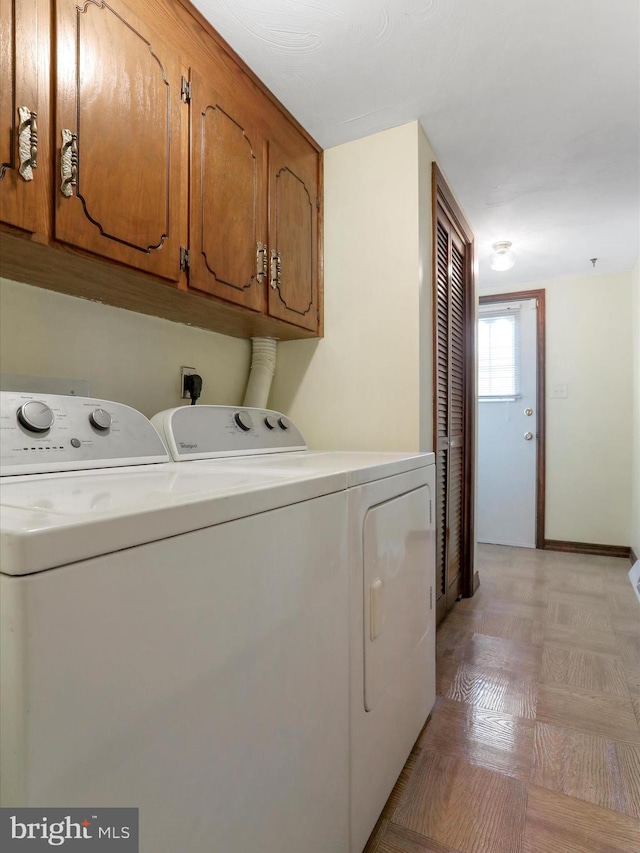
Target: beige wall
x=131 y=358
x=425 y=283
x=367 y=384
x=589 y=434
x=635 y=431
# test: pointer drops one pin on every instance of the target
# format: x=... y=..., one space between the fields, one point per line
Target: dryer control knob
x=100 y=419
x=270 y=422
x=283 y=423
x=243 y=419
x=35 y=416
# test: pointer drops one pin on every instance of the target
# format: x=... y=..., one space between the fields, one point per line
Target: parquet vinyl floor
x=533 y=745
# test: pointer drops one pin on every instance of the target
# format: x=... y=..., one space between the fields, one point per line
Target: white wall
x=128 y=357
x=367 y=384
x=589 y=434
x=635 y=430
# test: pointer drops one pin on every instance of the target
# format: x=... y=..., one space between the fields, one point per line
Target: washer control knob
x=243 y=420
x=100 y=419
x=283 y=423
x=35 y=416
x=270 y=422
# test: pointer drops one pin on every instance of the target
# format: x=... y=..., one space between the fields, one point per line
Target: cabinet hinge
x=185 y=90
x=184 y=258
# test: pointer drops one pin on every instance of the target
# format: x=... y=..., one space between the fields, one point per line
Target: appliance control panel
x=207 y=432
x=43 y=433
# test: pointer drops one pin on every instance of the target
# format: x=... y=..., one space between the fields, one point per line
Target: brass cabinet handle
x=27 y=143
x=68 y=162
x=261 y=261
x=276 y=269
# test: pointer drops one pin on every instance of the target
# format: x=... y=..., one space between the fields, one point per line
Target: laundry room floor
x=533 y=745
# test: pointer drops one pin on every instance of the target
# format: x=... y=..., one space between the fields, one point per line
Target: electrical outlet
x=185 y=371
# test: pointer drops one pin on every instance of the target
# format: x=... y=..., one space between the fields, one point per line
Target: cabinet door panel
x=24 y=31
x=119 y=92
x=293 y=235
x=228 y=200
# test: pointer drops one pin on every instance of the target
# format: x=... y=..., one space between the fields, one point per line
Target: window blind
x=499 y=353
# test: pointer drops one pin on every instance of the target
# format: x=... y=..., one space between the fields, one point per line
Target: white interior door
x=506 y=512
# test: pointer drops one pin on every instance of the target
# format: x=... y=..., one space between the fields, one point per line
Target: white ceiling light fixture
x=502 y=257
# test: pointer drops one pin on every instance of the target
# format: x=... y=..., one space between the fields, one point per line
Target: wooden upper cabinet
x=228 y=243
x=117 y=137
x=293 y=234
x=24 y=108
x=99 y=151
x=254 y=207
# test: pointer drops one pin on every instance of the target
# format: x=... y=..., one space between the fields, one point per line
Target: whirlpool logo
x=77 y=829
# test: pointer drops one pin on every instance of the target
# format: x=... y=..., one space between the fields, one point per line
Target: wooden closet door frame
x=441 y=196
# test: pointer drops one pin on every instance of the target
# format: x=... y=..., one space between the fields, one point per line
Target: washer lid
x=57 y=519
x=359 y=466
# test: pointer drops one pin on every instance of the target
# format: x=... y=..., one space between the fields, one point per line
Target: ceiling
x=532 y=108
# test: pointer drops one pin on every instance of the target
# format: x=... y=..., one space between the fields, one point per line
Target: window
x=499 y=353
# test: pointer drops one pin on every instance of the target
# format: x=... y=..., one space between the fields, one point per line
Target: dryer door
x=396 y=588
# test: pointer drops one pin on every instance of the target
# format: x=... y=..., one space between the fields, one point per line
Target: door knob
x=528 y=436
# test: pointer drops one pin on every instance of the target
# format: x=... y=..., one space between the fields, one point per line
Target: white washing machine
x=173 y=638
x=391 y=579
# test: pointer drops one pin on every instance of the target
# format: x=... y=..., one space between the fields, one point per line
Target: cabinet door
x=24 y=167
x=293 y=235
x=118 y=137
x=228 y=252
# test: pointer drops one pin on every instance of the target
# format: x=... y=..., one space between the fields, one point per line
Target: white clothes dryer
x=391 y=579
x=172 y=638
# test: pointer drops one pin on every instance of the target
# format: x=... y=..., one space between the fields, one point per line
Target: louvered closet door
x=450 y=412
